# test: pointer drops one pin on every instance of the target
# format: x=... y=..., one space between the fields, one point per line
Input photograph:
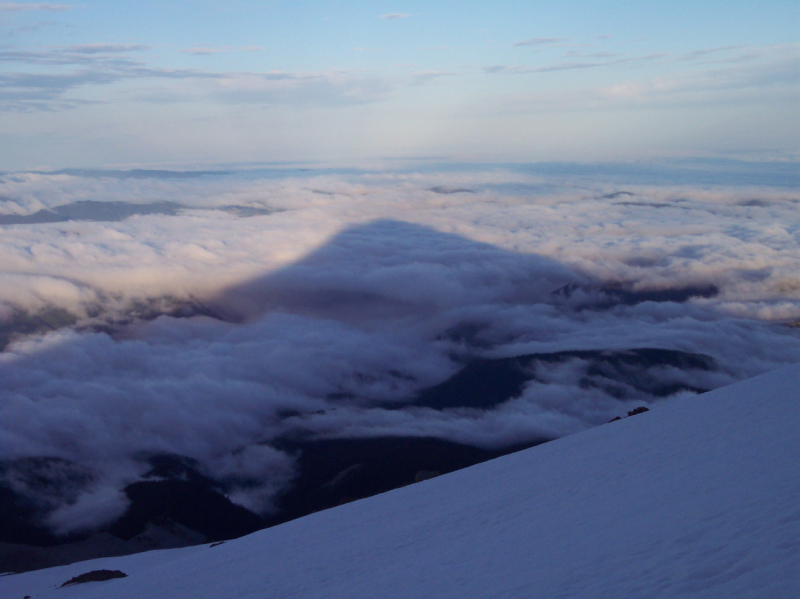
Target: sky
x=184 y=83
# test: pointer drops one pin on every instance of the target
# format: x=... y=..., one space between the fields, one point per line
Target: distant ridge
x=136 y=173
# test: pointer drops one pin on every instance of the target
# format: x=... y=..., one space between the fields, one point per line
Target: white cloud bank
x=358 y=289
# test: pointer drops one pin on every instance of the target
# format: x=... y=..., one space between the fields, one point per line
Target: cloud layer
x=331 y=298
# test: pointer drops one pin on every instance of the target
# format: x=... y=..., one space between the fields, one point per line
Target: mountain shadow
x=379 y=274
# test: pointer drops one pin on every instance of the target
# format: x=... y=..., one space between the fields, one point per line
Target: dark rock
x=95 y=576
x=190 y=504
x=639 y=410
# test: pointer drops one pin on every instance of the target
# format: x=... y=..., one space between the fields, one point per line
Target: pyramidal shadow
x=388 y=268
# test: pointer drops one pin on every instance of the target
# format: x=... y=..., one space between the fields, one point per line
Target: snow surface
x=696 y=498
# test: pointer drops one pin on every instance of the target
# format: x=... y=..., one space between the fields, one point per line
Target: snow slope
x=698 y=498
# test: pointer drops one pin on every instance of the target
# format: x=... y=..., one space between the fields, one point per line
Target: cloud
x=48 y=89
x=205 y=50
x=698 y=54
x=208 y=335
x=104 y=48
x=393 y=16
x=17 y=7
x=568 y=66
x=542 y=41
x=779 y=71
x=28 y=92
x=45 y=88
x=279 y=87
x=769 y=74
x=421 y=77
x=96 y=55
x=16 y=30
x=524 y=70
x=579 y=54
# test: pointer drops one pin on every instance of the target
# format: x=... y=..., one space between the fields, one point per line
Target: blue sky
x=203 y=82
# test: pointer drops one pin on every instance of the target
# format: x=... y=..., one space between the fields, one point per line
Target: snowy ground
x=696 y=498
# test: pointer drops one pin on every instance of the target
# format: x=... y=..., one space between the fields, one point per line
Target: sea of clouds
x=318 y=302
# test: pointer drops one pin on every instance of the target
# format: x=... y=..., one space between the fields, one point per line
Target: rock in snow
x=696 y=498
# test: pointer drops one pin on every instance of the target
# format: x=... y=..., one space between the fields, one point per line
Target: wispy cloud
x=700 y=54
x=106 y=64
x=104 y=48
x=205 y=50
x=28 y=27
x=562 y=66
x=775 y=74
x=96 y=64
x=294 y=88
x=16 y=7
x=704 y=86
x=90 y=54
x=579 y=54
x=424 y=76
x=542 y=41
x=392 y=16
x=33 y=92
